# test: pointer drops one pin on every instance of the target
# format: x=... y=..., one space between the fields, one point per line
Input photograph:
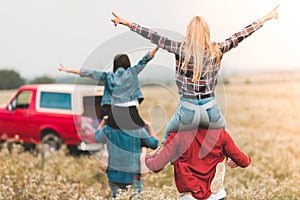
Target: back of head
x=121 y=61
x=198 y=31
x=197 y=43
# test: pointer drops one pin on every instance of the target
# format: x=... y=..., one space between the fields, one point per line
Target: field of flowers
x=262 y=117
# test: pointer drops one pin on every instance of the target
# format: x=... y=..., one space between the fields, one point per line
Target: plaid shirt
x=208 y=82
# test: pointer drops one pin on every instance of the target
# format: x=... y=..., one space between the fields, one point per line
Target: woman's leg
x=214 y=116
x=172 y=125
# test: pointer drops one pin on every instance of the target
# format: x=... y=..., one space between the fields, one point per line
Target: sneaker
x=217 y=183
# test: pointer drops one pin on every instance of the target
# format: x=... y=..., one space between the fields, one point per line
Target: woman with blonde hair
x=198 y=61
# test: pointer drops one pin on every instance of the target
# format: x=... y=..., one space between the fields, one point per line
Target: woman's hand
x=64 y=69
x=270 y=15
x=119 y=20
x=153 y=52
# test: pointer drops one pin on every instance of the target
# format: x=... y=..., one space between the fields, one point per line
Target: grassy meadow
x=263 y=117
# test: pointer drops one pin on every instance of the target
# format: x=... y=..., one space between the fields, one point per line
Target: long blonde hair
x=196 y=45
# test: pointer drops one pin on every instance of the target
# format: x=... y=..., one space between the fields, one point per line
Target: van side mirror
x=10 y=107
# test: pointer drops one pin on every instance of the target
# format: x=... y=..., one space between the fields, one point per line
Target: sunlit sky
x=37 y=35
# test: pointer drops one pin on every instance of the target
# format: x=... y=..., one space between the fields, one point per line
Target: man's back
x=196 y=154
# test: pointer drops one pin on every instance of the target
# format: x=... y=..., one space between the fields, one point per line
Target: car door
x=17 y=118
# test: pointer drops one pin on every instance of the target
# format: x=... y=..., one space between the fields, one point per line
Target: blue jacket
x=121 y=86
x=124 y=148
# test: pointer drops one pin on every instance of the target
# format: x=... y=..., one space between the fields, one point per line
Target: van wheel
x=50 y=143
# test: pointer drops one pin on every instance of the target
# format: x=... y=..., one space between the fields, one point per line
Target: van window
x=22 y=100
x=91 y=106
x=56 y=100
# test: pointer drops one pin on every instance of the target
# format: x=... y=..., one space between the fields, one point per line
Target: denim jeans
x=114 y=187
x=193 y=113
x=137 y=184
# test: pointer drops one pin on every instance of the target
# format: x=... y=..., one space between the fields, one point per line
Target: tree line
x=11 y=79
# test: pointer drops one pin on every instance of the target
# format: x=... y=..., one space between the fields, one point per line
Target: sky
x=37 y=35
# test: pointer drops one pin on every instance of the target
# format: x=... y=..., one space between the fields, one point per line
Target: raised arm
x=238 y=37
x=143 y=62
x=68 y=70
x=162 y=41
x=93 y=74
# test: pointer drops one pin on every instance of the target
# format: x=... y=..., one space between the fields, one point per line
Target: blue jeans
x=114 y=187
x=193 y=113
x=137 y=184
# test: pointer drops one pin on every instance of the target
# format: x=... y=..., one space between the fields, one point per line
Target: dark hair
x=121 y=60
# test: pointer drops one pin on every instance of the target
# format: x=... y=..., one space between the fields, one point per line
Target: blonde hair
x=197 y=45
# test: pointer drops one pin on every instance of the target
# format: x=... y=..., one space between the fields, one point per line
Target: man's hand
x=231 y=164
x=154 y=153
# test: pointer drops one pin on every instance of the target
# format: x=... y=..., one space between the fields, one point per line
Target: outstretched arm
x=238 y=37
x=99 y=76
x=162 y=41
x=143 y=62
x=68 y=70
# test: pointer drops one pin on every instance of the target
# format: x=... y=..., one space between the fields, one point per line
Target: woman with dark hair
x=125 y=131
x=122 y=92
x=121 y=60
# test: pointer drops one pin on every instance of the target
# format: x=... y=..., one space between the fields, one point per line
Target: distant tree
x=43 y=80
x=10 y=79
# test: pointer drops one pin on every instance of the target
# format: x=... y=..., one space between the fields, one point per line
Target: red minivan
x=53 y=114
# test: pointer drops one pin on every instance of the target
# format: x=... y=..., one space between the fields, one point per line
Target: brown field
x=263 y=118
x=5 y=95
